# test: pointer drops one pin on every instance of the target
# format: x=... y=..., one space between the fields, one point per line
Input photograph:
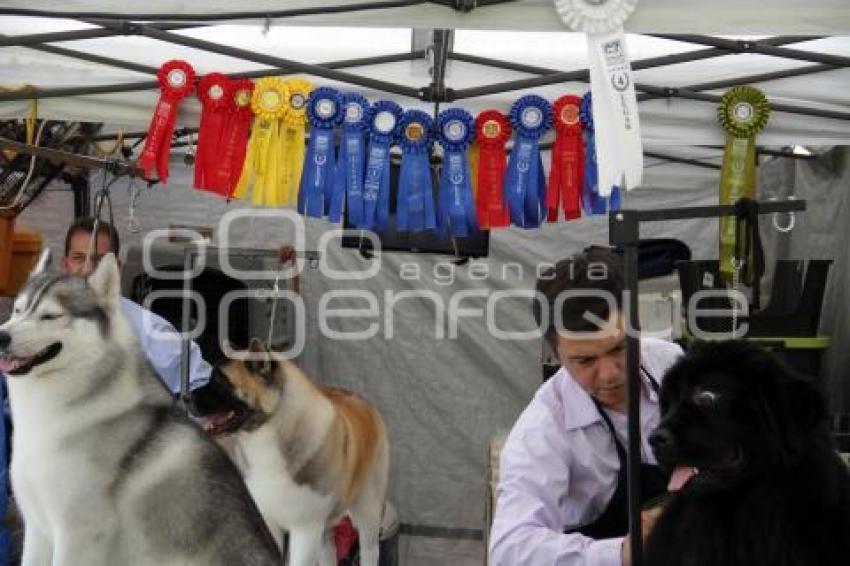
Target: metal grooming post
x=624 y=230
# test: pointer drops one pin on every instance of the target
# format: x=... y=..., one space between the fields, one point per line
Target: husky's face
x=242 y=394
x=55 y=315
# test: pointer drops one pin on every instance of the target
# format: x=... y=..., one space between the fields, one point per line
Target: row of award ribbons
x=253 y=144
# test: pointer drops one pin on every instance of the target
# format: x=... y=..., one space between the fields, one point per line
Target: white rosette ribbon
x=619 y=151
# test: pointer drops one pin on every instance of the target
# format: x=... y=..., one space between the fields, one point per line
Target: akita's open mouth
x=18 y=366
x=223 y=423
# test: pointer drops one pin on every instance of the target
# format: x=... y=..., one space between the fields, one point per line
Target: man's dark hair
x=596 y=269
x=86 y=224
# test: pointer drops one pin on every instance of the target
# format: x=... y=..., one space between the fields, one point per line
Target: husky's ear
x=106 y=280
x=43 y=262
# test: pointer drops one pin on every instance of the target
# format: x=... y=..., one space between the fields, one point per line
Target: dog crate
x=787 y=325
x=245 y=317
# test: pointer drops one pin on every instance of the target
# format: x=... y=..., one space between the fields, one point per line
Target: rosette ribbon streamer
x=348 y=182
x=384 y=121
x=743 y=113
x=234 y=138
x=415 y=205
x=324 y=109
x=566 y=175
x=525 y=183
x=215 y=93
x=615 y=112
x=176 y=81
x=457 y=213
x=294 y=133
x=265 y=147
x=591 y=200
x=492 y=131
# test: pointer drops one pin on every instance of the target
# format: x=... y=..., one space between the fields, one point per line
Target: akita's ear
x=43 y=262
x=106 y=280
x=261 y=361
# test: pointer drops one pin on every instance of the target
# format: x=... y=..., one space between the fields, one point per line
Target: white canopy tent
x=444 y=400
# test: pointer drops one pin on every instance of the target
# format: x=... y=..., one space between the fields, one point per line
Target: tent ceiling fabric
x=664 y=121
x=824 y=17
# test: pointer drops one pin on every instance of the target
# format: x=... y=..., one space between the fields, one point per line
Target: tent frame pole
x=151 y=85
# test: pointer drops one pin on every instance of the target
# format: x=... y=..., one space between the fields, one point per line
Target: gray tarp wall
x=444 y=398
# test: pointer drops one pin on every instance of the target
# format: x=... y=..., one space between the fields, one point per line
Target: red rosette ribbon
x=567 y=172
x=234 y=138
x=214 y=92
x=492 y=131
x=176 y=82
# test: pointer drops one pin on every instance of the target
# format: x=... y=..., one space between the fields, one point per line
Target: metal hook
x=133 y=224
x=791 y=218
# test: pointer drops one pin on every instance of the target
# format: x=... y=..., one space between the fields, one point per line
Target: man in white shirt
x=562 y=496
x=158 y=338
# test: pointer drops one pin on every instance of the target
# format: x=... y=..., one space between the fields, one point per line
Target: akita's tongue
x=213 y=422
x=680 y=476
x=8 y=364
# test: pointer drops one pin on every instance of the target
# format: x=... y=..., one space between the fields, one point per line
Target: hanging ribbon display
x=492 y=131
x=348 y=181
x=455 y=131
x=383 y=127
x=294 y=133
x=566 y=175
x=743 y=112
x=265 y=147
x=324 y=109
x=234 y=138
x=615 y=114
x=215 y=93
x=415 y=204
x=591 y=200
x=525 y=184
x=176 y=81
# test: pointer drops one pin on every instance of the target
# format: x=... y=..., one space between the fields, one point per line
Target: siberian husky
x=105 y=469
x=309 y=454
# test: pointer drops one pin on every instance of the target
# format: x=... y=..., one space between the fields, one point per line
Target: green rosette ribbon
x=743 y=113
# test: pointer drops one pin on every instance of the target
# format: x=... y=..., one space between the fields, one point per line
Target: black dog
x=755 y=474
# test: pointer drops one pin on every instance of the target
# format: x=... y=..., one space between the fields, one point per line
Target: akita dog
x=106 y=469
x=309 y=454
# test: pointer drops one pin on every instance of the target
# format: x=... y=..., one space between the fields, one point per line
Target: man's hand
x=648 y=519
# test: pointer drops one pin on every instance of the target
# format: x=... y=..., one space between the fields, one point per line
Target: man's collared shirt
x=559 y=469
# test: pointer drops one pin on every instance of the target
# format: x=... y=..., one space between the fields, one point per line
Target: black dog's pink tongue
x=680 y=476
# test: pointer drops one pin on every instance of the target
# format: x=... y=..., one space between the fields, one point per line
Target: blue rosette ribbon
x=525 y=182
x=592 y=202
x=455 y=132
x=383 y=128
x=351 y=163
x=315 y=192
x=415 y=204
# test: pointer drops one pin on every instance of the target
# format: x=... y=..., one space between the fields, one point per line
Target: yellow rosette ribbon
x=264 y=159
x=743 y=112
x=294 y=131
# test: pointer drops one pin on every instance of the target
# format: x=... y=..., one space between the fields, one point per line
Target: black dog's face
x=731 y=412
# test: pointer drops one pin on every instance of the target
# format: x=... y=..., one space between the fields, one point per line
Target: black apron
x=614 y=520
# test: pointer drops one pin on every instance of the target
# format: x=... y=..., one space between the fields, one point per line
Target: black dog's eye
x=706 y=399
